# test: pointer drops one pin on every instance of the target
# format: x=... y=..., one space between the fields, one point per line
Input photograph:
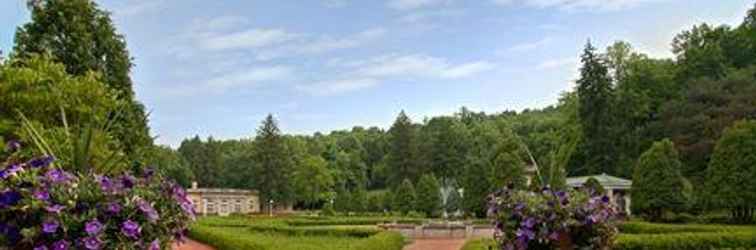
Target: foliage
x=593 y=186
x=405 y=197
x=403 y=152
x=312 y=180
x=43 y=205
x=429 y=195
x=595 y=93
x=82 y=37
x=731 y=176
x=274 y=166
x=171 y=164
x=702 y=241
x=552 y=219
x=443 y=147
x=657 y=182
x=453 y=201
x=476 y=185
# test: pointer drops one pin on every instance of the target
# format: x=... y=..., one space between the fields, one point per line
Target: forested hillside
x=624 y=101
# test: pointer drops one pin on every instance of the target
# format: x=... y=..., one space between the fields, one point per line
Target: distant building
x=617 y=189
x=223 y=201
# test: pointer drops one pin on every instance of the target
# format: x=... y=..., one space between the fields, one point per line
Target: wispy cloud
x=322 y=44
x=135 y=7
x=524 y=47
x=427 y=15
x=578 y=5
x=334 y=87
x=250 y=77
x=416 y=65
x=414 y=4
x=558 y=63
x=252 y=38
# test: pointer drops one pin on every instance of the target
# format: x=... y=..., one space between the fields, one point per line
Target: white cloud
x=137 y=7
x=558 y=63
x=577 y=5
x=523 y=47
x=414 y=4
x=422 y=16
x=335 y=87
x=249 y=77
x=322 y=44
x=415 y=65
x=253 y=38
x=335 y=3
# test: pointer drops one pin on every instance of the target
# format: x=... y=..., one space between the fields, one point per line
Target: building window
x=238 y=207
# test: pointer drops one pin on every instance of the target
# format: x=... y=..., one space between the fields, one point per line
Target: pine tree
x=476 y=184
x=594 y=89
x=82 y=37
x=453 y=201
x=731 y=175
x=429 y=195
x=657 y=182
x=405 y=197
x=402 y=158
x=274 y=163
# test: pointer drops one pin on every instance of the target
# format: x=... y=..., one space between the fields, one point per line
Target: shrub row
x=382 y=241
x=655 y=228
x=301 y=231
x=687 y=241
x=350 y=221
x=222 y=239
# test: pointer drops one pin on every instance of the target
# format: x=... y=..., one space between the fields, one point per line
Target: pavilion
x=618 y=189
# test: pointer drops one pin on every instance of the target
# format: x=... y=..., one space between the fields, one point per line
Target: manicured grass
x=479 y=244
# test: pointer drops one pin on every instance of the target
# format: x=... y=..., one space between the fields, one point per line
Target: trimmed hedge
x=222 y=239
x=382 y=241
x=655 y=228
x=349 y=221
x=687 y=241
x=299 y=231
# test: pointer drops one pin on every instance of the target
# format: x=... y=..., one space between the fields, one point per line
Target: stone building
x=617 y=189
x=223 y=201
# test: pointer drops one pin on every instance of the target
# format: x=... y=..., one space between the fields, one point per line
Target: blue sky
x=218 y=67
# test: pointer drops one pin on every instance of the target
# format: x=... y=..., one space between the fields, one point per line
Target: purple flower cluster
x=551 y=219
x=56 y=200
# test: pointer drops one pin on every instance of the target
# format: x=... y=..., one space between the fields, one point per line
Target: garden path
x=436 y=244
x=192 y=245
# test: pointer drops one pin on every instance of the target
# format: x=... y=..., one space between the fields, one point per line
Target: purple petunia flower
x=13 y=146
x=42 y=161
x=106 y=184
x=11 y=171
x=50 y=226
x=529 y=222
x=131 y=229
x=148 y=210
x=113 y=207
x=57 y=176
x=128 y=181
x=9 y=198
x=41 y=194
x=605 y=199
x=55 y=208
x=92 y=243
x=93 y=227
x=61 y=245
x=155 y=245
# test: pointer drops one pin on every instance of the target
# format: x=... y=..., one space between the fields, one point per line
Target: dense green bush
x=222 y=239
x=429 y=195
x=382 y=241
x=658 y=184
x=405 y=197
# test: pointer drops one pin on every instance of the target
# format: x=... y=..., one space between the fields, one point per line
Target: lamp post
x=270 y=208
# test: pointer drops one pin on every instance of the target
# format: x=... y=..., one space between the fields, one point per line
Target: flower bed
x=42 y=206
x=552 y=220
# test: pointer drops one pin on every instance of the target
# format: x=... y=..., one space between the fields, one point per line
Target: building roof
x=230 y=191
x=606 y=181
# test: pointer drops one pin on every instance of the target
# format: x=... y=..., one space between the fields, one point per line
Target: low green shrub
x=635 y=227
x=302 y=231
x=222 y=239
x=382 y=241
x=687 y=241
x=328 y=221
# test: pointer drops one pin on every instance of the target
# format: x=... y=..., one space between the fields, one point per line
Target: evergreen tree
x=405 y=197
x=429 y=195
x=731 y=176
x=594 y=89
x=444 y=147
x=657 y=182
x=274 y=163
x=476 y=184
x=402 y=158
x=82 y=37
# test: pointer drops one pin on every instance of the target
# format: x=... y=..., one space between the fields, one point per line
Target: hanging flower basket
x=552 y=220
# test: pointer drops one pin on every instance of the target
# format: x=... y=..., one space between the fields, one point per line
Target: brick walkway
x=192 y=245
x=436 y=244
